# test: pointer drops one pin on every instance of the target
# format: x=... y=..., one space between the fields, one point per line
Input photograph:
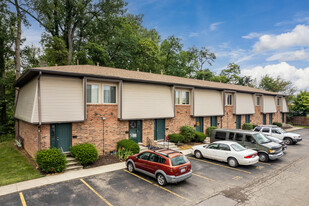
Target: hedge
x=129 y=145
x=85 y=153
x=51 y=160
x=209 y=130
x=188 y=133
x=199 y=136
x=176 y=138
x=278 y=124
x=247 y=126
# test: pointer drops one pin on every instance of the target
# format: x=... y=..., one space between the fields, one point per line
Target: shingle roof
x=107 y=72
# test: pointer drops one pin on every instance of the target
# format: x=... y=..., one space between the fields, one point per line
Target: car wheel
x=288 y=141
x=263 y=157
x=198 y=154
x=130 y=167
x=232 y=162
x=161 y=180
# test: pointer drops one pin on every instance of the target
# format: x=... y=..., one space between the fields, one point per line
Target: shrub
x=209 y=130
x=51 y=160
x=85 y=153
x=122 y=153
x=199 y=136
x=188 y=133
x=176 y=138
x=278 y=124
x=254 y=126
x=247 y=126
x=129 y=145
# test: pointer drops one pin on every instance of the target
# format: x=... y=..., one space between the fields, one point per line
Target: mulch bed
x=104 y=160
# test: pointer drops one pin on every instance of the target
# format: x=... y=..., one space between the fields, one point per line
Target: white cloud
x=33 y=36
x=215 y=25
x=252 y=35
x=290 y=56
x=299 y=77
x=297 y=37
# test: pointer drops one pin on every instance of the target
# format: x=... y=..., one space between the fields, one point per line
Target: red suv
x=165 y=165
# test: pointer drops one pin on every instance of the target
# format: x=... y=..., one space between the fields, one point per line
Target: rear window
x=257 y=129
x=265 y=130
x=238 y=147
x=179 y=160
x=220 y=135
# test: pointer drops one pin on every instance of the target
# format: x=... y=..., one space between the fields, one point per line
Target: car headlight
x=295 y=137
x=272 y=151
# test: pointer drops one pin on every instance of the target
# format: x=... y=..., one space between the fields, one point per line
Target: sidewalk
x=70 y=175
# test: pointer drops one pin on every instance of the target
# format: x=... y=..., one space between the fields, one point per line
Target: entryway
x=199 y=124
x=238 y=121
x=61 y=136
x=159 y=129
x=135 y=130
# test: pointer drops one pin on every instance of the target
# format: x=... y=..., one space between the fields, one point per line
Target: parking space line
x=157 y=185
x=95 y=192
x=204 y=177
x=264 y=163
x=220 y=165
x=22 y=199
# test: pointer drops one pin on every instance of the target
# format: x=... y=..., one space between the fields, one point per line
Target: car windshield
x=282 y=131
x=272 y=139
x=179 y=160
x=238 y=147
x=261 y=139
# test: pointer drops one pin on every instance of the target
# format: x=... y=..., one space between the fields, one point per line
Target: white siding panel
x=208 y=103
x=269 y=104
x=244 y=103
x=62 y=99
x=26 y=101
x=284 y=107
x=143 y=101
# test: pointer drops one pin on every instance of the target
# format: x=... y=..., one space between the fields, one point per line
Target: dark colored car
x=165 y=165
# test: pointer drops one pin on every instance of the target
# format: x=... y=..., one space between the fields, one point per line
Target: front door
x=238 y=121
x=213 y=121
x=270 y=119
x=159 y=129
x=199 y=124
x=135 y=130
x=264 y=119
x=282 y=117
x=61 y=136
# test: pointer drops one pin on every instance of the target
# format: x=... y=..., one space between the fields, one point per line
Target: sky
x=261 y=36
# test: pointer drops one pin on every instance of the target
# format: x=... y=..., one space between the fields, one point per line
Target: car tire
x=130 y=167
x=263 y=157
x=232 y=162
x=161 y=180
x=288 y=141
x=198 y=154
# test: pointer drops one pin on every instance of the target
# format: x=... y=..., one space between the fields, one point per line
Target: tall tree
x=277 y=85
x=301 y=103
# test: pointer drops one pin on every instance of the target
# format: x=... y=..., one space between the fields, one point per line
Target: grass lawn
x=14 y=167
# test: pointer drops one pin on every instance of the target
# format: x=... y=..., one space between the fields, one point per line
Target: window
x=231 y=136
x=182 y=97
x=238 y=147
x=258 y=101
x=213 y=121
x=257 y=129
x=275 y=131
x=238 y=137
x=92 y=93
x=224 y=147
x=213 y=146
x=265 y=130
x=109 y=94
x=249 y=138
x=247 y=118
x=220 y=135
x=278 y=101
x=179 y=160
x=144 y=156
x=229 y=99
x=154 y=158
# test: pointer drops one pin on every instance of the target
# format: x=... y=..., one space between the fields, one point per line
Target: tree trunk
x=2 y=86
x=17 y=43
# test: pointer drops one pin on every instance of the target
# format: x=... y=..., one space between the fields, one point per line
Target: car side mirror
x=252 y=141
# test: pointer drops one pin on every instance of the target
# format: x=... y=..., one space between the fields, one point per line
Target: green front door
x=238 y=121
x=135 y=130
x=159 y=129
x=213 y=121
x=264 y=119
x=61 y=136
x=282 y=117
x=199 y=124
x=270 y=119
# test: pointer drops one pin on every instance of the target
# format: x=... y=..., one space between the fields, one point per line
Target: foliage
x=300 y=106
x=199 y=136
x=85 y=153
x=128 y=145
x=254 y=126
x=51 y=160
x=209 y=130
x=247 y=126
x=176 y=138
x=7 y=137
x=233 y=76
x=14 y=166
x=122 y=153
x=188 y=133
x=278 y=124
x=55 y=51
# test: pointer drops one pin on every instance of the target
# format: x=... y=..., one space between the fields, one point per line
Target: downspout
x=39 y=111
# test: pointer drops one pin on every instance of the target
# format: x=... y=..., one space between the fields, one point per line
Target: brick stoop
x=72 y=163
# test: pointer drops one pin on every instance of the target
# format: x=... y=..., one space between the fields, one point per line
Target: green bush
x=278 y=124
x=199 y=136
x=188 y=133
x=176 y=138
x=247 y=126
x=209 y=130
x=128 y=145
x=122 y=153
x=51 y=160
x=254 y=126
x=85 y=153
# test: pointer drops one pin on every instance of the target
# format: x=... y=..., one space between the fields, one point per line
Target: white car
x=226 y=151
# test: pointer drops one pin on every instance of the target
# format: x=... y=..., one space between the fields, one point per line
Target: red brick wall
x=257 y=118
x=29 y=132
x=229 y=119
x=182 y=118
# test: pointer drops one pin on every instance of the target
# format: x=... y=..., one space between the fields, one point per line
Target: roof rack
x=166 y=154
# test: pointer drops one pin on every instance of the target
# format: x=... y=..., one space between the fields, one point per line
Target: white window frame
x=180 y=96
x=102 y=92
x=99 y=93
x=226 y=99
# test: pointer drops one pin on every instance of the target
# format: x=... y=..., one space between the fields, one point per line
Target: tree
x=55 y=51
x=301 y=103
x=232 y=74
x=277 y=85
x=205 y=56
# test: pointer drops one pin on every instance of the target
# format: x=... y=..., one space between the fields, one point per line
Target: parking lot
x=210 y=178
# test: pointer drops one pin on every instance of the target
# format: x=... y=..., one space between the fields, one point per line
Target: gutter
x=39 y=111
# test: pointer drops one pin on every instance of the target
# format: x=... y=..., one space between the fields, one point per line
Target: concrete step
x=72 y=163
x=73 y=167
x=68 y=154
x=71 y=159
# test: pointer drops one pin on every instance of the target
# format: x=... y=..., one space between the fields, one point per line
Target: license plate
x=182 y=170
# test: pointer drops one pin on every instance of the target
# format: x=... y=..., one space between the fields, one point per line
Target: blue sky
x=263 y=37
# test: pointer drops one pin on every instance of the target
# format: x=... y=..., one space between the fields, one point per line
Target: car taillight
x=250 y=156
x=171 y=170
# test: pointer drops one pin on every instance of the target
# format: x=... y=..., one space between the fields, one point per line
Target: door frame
x=155 y=129
x=200 y=121
x=139 y=139
x=54 y=142
x=238 y=121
